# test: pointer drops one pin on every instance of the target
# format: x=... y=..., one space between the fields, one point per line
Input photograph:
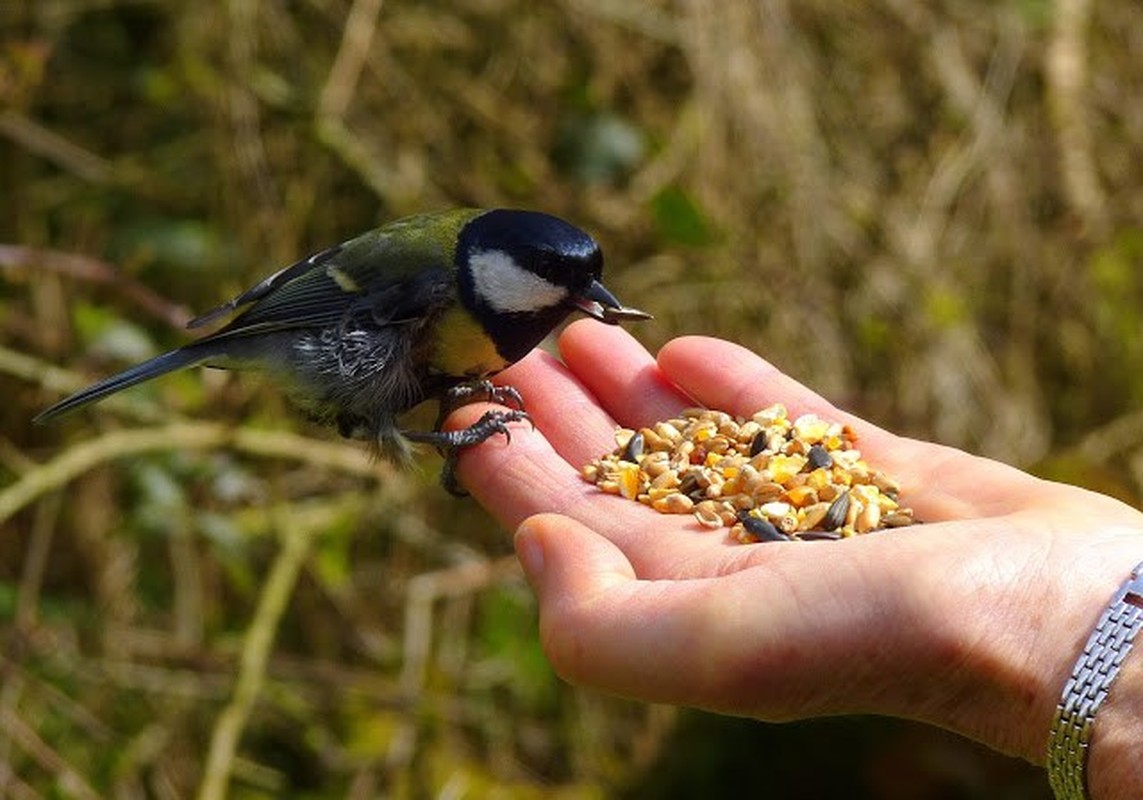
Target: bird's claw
x=482 y=391
x=450 y=443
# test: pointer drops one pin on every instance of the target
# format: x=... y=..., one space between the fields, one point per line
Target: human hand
x=971 y=621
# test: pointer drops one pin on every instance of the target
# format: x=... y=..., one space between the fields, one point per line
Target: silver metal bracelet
x=1086 y=689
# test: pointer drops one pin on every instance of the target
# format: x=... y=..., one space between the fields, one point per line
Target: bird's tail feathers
x=159 y=365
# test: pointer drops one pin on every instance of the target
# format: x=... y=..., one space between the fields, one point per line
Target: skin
x=971 y=622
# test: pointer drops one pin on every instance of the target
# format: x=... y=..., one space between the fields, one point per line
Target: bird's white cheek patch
x=507 y=287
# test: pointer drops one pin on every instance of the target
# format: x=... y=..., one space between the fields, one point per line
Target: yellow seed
x=684 y=450
x=869 y=519
x=813 y=515
x=774 y=415
x=747 y=431
x=628 y=478
x=706 y=512
x=845 y=459
x=887 y=503
x=840 y=477
x=884 y=482
x=623 y=437
x=810 y=428
x=668 y=431
x=898 y=519
x=851 y=513
x=714 y=485
x=783 y=467
x=728 y=513
x=739 y=501
x=718 y=444
x=656 y=464
x=787 y=523
x=775 y=509
x=800 y=496
x=674 y=504
x=664 y=480
x=866 y=493
x=653 y=442
x=818 y=479
x=764 y=491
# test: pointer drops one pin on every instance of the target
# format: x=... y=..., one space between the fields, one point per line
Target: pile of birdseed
x=766 y=478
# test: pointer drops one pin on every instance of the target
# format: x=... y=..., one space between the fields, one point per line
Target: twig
x=340 y=84
x=70 y=781
x=1066 y=71
x=35 y=370
x=337 y=94
x=35 y=138
x=85 y=456
x=36 y=562
x=423 y=591
x=252 y=663
x=85 y=268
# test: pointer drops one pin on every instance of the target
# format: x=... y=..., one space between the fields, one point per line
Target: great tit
x=430 y=306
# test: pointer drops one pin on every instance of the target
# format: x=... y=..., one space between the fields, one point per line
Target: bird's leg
x=450 y=443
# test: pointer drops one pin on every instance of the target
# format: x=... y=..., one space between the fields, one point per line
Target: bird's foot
x=450 y=443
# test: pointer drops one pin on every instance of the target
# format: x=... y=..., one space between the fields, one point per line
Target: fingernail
x=530 y=552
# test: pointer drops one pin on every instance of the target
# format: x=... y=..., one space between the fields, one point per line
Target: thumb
x=603 y=627
x=568 y=563
x=578 y=576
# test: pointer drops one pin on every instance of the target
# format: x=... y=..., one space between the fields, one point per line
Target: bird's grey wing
x=322 y=298
x=265 y=287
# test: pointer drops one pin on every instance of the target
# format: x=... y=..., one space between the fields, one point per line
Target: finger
x=742 y=642
x=562 y=407
x=941 y=483
x=602 y=627
x=517 y=477
x=620 y=372
x=731 y=378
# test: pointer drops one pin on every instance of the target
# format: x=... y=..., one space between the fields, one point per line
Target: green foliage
x=678 y=218
x=598 y=148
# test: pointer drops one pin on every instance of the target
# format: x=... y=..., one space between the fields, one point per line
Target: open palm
x=944 y=622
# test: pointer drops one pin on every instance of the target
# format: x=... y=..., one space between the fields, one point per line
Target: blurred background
x=930 y=212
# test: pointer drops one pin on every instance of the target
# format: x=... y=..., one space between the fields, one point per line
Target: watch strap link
x=1091 y=678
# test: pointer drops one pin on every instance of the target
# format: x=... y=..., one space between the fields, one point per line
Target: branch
x=256 y=646
x=80 y=458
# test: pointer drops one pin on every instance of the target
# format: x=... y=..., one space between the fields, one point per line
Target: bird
x=431 y=306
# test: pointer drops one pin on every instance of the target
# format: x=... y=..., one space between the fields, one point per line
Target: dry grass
x=929 y=211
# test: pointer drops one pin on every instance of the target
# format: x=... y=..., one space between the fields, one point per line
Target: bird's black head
x=520 y=273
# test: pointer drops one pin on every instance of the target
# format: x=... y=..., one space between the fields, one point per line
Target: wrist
x=1003 y=660
x=1084 y=656
x=1104 y=671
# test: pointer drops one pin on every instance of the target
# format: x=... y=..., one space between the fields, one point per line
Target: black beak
x=601 y=304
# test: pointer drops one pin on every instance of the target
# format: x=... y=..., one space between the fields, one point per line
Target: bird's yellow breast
x=463 y=348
